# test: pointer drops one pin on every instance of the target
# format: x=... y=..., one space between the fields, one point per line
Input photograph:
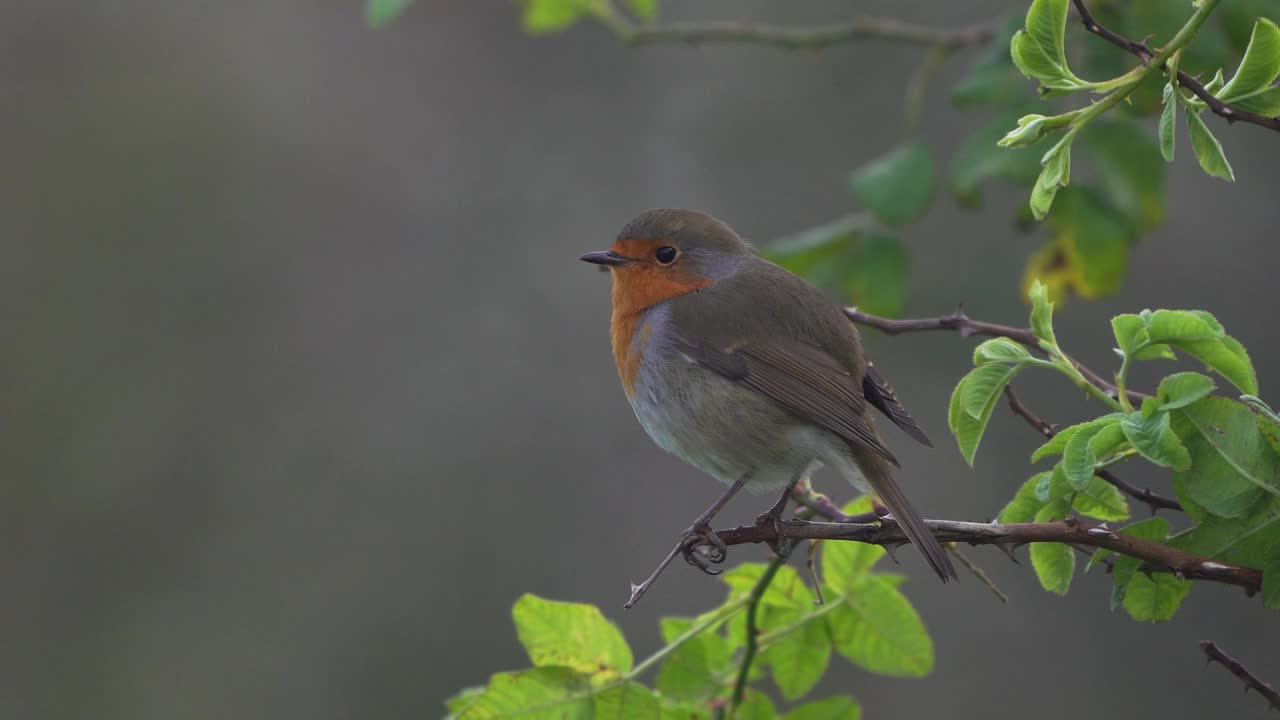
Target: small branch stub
x=1235 y=667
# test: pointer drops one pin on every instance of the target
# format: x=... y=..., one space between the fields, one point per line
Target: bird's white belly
x=726 y=431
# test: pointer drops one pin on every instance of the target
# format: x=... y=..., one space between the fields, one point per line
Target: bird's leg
x=698 y=535
x=700 y=541
x=773 y=518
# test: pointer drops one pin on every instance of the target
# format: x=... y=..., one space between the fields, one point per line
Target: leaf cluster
x=1223 y=453
x=583 y=667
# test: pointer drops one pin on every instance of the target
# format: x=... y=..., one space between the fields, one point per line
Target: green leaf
x=1227 y=357
x=380 y=12
x=786 y=590
x=867 y=267
x=898 y=187
x=993 y=79
x=1200 y=335
x=1268 y=420
x=543 y=693
x=1108 y=438
x=981 y=385
x=846 y=564
x=646 y=10
x=672 y=710
x=629 y=701
x=1155 y=440
x=571 y=635
x=1130 y=331
x=1038 y=51
x=1047 y=25
x=979 y=159
x=1025 y=504
x=1130 y=170
x=1125 y=570
x=833 y=708
x=878 y=629
x=1058 y=443
x=1042 y=313
x=1155 y=598
x=1056 y=174
x=1260 y=66
x=691 y=671
x=1232 y=465
x=973 y=401
x=1208 y=149
x=799 y=658
x=1250 y=541
x=1054 y=563
x=877 y=277
x=1078 y=460
x=1178 y=326
x=462 y=699
x=1182 y=389
x=1000 y=350
x=1100 y=499
x=804 y=250
x=545 y=16
x=1094 y=238
x=1265 y=102
x=1131 y=336
x=1168 y=123
x=756 y=706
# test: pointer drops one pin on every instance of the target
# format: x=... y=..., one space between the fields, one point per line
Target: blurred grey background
x=302 y=384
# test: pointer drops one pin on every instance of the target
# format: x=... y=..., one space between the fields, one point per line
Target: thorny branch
x=966 y=327
x=794 y=38
x=1153 y=501
x=1140 y=49
x=1239 y=670
x=1157 y=557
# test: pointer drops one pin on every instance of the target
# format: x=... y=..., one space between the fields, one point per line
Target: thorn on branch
x=1143 y=52
x=1215 y=654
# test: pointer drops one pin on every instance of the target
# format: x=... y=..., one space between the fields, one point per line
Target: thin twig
x=964 y=325
x=1239 y=670
x=978 y=573
x=795 y=38
x=1153 y=501
x=918 y=86
x=1140 y=49
x=1159 y=557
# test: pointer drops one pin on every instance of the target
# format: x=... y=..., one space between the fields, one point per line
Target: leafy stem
x=752 y=645
x=1121 y=376
x=1062 y=363
x=706 y=624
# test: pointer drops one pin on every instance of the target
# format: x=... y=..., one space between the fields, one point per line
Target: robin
x=747 y=372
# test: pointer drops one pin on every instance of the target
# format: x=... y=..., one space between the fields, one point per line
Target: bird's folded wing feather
x=880 y=393
x=801 y=378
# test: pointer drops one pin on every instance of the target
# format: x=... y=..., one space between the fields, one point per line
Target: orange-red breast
x=745 y=370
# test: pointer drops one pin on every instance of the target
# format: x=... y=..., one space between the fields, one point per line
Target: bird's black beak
x=604 y=257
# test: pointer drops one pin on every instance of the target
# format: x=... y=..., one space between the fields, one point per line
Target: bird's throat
x=634 y=292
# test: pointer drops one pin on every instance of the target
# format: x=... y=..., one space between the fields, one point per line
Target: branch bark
x=1158 y=557
x=1144 y=53
x=797 y=38
x=1235 y=667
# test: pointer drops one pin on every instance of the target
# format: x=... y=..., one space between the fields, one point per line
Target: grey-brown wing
x=804 y=380
x=880 y=394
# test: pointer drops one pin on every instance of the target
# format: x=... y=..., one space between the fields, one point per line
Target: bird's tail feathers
x=883 y=484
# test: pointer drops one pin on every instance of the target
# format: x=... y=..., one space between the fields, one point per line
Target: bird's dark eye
x=666 y=254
